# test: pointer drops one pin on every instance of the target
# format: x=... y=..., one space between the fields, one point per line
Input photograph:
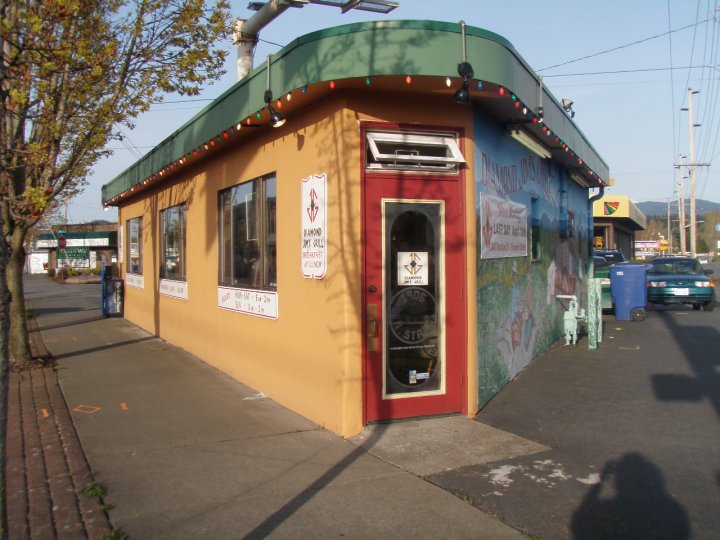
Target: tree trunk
x=4 y=364
x=19 y=338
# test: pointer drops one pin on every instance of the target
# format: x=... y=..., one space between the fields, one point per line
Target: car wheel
x=696 y=307
x=709 y=306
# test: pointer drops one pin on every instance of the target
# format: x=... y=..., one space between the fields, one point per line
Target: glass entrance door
x=414 y=303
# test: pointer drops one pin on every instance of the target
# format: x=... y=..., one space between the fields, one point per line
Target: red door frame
x=451 y=187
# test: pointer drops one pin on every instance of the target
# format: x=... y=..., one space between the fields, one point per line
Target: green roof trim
x=412 y=47
x=76 y=235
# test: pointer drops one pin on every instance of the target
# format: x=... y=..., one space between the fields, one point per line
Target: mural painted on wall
x=518 y=313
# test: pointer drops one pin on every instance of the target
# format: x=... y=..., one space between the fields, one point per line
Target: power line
x=122 y=137
x=672 y=90
x=618 y=71
x=270 y=42
x=623 y=46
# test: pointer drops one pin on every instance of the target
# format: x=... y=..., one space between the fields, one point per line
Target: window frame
x=129 y=258
x=182 y=257
x=256 y=249
x=414 y=140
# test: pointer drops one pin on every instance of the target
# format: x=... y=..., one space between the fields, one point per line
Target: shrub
x=68 y=271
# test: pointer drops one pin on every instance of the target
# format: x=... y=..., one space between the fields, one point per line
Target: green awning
x=359 y=52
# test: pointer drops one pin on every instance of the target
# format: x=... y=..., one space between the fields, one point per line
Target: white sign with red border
x=313 y=241
x=503 y=228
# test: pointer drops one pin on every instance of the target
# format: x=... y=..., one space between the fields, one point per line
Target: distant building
x=616 y=219
x=87 y=245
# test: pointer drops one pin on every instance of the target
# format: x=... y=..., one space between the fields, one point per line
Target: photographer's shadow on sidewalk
x=640 y=507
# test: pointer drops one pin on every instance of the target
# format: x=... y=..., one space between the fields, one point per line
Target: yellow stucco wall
x=310 y=358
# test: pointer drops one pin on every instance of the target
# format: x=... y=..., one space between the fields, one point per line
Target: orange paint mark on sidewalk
x=45 y=413
x=87 y=409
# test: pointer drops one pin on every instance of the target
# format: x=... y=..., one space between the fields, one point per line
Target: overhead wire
x=687 y=81
x=622 y=71
x=127 y=143
x=619 y=47
x=672 y=93
x=712 y=125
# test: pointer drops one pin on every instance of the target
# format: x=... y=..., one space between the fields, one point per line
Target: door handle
x=371 y=327
x=372 y=330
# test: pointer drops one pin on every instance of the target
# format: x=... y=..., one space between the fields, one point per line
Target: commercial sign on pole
x=503 y=228
x=313 y=248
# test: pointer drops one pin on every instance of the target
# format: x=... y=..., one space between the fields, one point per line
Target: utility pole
x=681 y=207
x=691 y=173
x=669 y=228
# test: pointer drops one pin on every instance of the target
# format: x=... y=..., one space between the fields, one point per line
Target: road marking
x=87 y=409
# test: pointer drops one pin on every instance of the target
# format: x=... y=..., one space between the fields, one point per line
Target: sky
x=626 y=65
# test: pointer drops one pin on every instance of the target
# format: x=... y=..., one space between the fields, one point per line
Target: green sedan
x=680 y=280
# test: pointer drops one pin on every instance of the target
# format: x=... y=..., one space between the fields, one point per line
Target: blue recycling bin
x=628 y=289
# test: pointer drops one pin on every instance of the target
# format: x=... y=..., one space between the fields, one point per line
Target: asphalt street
x=634 y=429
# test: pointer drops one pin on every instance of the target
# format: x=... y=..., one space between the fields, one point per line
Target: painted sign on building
x=503 y=228
x=173 y=288
x=313 y=249
x=76 y=257
x=249 y=301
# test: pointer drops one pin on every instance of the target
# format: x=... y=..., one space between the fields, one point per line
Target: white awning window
x=412 y=151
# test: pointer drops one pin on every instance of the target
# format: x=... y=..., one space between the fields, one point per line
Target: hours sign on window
x=314 y=226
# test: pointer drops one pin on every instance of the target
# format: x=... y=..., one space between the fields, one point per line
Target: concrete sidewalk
x=184 y=451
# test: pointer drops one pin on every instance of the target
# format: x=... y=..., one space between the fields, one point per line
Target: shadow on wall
x=630 y=502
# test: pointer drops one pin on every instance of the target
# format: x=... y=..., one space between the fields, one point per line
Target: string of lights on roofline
x=273 y=112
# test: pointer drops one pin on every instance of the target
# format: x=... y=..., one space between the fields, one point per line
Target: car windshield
x=682 y=266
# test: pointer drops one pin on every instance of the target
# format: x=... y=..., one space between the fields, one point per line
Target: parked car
x=703 y=259
x=611 y=256
x=680 y=280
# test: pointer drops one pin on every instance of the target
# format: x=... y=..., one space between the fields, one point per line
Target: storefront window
x=172 y=227
x=247 y=235
x=134 y=246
